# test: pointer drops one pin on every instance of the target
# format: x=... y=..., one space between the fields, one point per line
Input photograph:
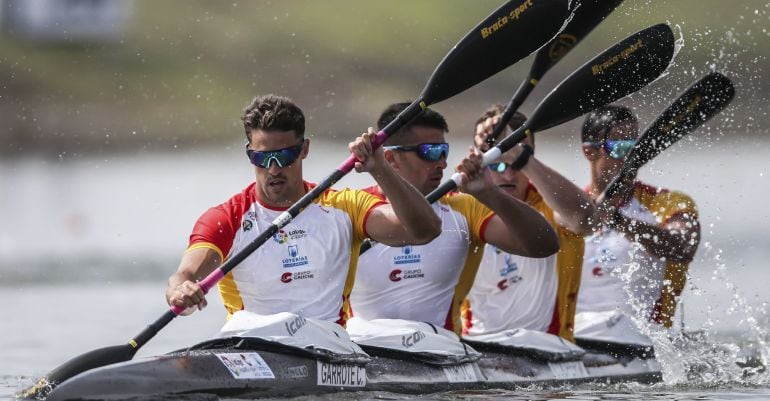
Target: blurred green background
x=180 y=72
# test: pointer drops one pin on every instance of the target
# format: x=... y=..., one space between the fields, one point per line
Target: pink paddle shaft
x=206 y=284
x=350 y=162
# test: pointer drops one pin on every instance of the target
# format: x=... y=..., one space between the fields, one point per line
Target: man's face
x=278 y=185
x=609 y=164
x=514 y=182
x=423 y=174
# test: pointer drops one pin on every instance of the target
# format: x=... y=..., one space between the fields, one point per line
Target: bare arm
x=572 y=207
x=516 y=227
x=408 y=219
x=676 y=240
x=183 y=289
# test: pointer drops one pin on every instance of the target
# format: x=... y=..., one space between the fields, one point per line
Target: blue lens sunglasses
x=615 y=148
x=282 y=157
x=430 y=152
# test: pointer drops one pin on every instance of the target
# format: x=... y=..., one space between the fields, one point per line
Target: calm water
x=87 y=244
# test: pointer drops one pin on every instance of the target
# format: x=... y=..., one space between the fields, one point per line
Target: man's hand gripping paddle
x=510 y=33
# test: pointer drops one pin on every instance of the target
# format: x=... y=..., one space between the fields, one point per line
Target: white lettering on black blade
x=341 y=375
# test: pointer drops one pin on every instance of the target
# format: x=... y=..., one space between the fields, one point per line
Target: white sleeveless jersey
x=424 y=283
x=511 y=292
x=617 y=273
x=306 y=268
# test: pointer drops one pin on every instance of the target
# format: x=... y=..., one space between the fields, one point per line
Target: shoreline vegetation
x=181 y=72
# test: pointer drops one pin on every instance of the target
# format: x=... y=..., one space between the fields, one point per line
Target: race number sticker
x=248 y=365
x=460 y=373
x=340 y=375
x=568 y=370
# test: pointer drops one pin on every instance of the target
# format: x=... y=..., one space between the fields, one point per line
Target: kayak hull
x=263 y=372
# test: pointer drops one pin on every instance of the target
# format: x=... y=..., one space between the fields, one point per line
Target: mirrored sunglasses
x=615 y=148
x=431 y=152
x=282 y=157
x=501 y=167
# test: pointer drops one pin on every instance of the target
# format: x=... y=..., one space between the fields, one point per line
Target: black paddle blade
x=586 y=17
x=701 y=101
x=90 y=360
x=512 y=32
x=615 y=73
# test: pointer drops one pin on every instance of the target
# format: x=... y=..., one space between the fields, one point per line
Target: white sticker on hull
x=568 y=370
x=247 y=365
x=460 y=373
x=341 y=375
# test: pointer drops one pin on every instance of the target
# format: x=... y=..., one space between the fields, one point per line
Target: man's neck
x=287 y=201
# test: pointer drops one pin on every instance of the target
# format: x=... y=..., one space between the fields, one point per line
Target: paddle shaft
x=283 y=219
x=587 y=16
x=616 y=72
x=700 y=102
x=496 y=40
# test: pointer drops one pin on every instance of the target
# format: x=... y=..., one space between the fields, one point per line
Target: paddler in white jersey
x=518 y=292
x=429 y=282
x=307 y=268
x=636 y=260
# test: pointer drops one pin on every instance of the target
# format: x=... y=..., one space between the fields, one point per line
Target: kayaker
x=518 y=292
x=308 y=266
x=429 y=282
x=636 y=261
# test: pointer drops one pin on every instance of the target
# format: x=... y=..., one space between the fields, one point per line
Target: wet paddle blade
x=90 y=360
x=509 y=34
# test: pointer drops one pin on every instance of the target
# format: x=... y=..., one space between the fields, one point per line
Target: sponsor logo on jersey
x=294 y=259
x=510 y=268
x=247 y=225
x=398 y=274
x=297 y=233
x=288 y=277
x=280 y=237
x=407 y=256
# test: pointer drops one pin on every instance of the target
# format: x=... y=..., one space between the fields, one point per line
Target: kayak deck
x=249 y=369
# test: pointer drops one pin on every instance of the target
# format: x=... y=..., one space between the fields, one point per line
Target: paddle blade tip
x=75 y=366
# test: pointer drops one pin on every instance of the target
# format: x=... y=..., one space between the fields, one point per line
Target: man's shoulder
x=659 y=199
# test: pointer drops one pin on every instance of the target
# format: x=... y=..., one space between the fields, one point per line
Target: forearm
x=572 y=206
x=195 y=265
x=526 y=229
x=676 y=244
x=415 y=214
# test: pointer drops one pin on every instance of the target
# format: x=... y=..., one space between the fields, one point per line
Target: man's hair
x=273 y=113
x=600 y=121
x=517 y=120
x=426 y=118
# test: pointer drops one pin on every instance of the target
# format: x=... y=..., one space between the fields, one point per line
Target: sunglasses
x=282 y=157
x=615 y=148
x=501 y=167
x=431 y=152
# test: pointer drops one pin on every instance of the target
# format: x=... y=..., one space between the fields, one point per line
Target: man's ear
x=305 y=149
x=390 y=157
x=590 y=152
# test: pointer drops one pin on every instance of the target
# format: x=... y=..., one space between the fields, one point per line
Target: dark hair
x=599 y=122
x=426 y=118
x=273 y=113
x=517 y=120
